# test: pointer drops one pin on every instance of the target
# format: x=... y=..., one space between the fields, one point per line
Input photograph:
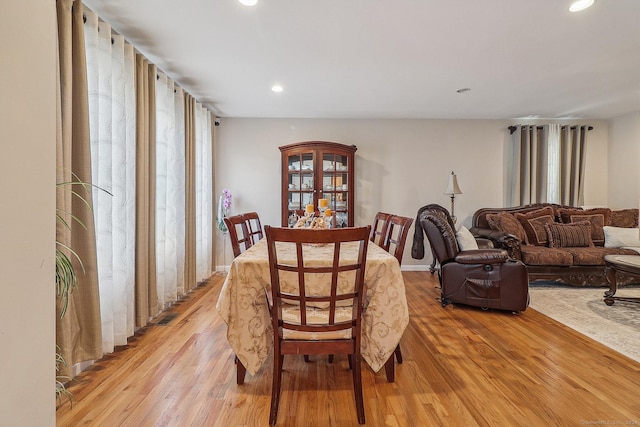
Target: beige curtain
x=214 y=226
x=529 y=167
x=78 y=333
x=572 y=162
x=190 y=192
x=145 y=287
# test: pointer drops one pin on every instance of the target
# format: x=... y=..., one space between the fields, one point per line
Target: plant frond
x=66 y=280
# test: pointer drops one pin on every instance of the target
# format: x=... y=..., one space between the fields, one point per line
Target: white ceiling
x=392 y=58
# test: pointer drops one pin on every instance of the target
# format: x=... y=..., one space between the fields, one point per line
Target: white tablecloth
x=242 y=304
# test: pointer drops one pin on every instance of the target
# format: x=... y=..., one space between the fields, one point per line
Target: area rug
x=583 y=309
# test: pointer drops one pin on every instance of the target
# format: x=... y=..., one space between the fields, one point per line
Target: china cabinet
x=318 y=175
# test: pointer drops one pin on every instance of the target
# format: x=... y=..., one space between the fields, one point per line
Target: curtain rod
x=513 y=128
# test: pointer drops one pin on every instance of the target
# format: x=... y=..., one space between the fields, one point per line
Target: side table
x=629 y=264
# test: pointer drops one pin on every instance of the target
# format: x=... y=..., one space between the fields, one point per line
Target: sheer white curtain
x=204 y=194
x=110 y=79
x=553 y=172
x=170 y=184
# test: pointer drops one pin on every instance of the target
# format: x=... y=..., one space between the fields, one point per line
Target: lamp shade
x=452 y=186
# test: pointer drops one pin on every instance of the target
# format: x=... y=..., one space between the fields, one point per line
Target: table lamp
x=452 y=190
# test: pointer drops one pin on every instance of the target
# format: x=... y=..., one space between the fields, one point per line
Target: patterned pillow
x=625 y=218
x=599 y=217
x=507 y=223
x=533 y=223
x=572 y=235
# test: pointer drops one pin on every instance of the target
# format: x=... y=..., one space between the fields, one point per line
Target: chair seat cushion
x=291 y=314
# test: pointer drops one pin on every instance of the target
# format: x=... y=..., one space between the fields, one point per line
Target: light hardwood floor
x=462 y=367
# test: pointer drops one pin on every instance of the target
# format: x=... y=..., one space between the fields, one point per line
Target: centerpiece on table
x=309 y=220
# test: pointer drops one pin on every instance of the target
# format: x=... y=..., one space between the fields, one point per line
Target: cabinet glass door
x=335 y=186
x=300 y=184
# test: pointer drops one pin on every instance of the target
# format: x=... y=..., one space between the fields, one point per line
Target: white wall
x=27 y=217
x=401 y=165
x=624 y=161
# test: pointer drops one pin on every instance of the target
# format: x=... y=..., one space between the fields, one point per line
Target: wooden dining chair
x=238 y=233
x=240 y=242
x=315 y=315
x=396 y=235
x=379 y=228
x=254 y=228
x=395 y=239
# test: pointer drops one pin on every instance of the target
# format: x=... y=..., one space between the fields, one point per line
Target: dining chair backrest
x=254 y=227
x=317 y=312
x=238 y=234
x=394 y=241
x=379 y=228
x=396 y=236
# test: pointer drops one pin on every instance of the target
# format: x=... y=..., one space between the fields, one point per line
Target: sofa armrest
x=500 y=240
x=482 y=256
x=484 y=243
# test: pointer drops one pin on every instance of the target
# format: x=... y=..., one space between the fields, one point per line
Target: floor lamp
x=452 y=190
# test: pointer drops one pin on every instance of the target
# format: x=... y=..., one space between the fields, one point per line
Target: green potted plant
x=66 y=277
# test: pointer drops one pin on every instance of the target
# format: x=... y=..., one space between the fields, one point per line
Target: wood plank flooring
x=462 y=367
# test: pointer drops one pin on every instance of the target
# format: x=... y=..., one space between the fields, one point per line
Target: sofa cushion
x=507 y=223
x=595 y=255
x=465 y=239
x=540 y=255
x=533 y=223
x=599 y=217
x=618 y=237
x=572 y=235
x=626 y=218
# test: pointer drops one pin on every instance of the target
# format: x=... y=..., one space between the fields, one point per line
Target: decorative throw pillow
x=618 y=237
x=572 y=235
x=625 y=218
x=599 y=217
x=465 y=239
x=507 y=223
x=533 y=223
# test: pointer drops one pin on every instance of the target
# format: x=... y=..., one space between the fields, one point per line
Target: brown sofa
x=553 y=240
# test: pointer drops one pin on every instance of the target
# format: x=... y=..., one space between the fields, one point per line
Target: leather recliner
x=485 y=278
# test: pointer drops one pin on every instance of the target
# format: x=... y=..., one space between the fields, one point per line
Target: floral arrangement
x=224 y=204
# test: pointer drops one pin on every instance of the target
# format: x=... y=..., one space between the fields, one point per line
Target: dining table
x=243 y=305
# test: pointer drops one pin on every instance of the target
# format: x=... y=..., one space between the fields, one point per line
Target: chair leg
x=398 y=354
x=275 y=389
x=357 y=387
x=241 y=370
x=390 y=369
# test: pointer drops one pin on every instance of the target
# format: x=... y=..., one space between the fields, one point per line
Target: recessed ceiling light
x=248 y=2
x=464 y=90
x=579 y=5
x=277 y=88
